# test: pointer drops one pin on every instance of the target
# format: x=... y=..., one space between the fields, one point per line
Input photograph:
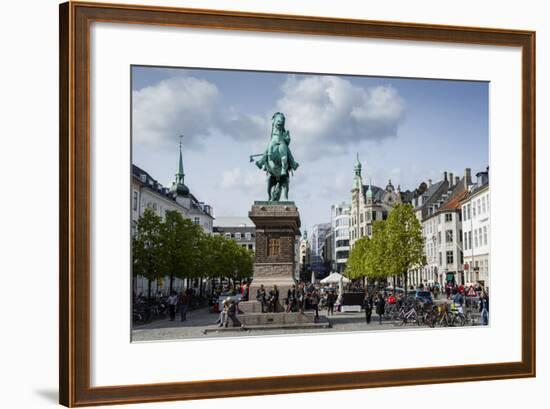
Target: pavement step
x=260 y=327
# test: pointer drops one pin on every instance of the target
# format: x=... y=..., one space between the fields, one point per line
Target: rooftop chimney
x=457 y=179
x=467 y=177
x=451 y=180
x=445 y=176
x=429 y=182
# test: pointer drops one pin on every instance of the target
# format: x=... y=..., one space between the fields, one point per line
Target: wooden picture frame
x=74 y=195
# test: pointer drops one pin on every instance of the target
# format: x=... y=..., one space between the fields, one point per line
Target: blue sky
x=406 y=130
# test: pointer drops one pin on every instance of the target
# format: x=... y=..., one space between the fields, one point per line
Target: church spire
x=357 y=167
x=180 y=175
x=357 y=181
x=178 y=187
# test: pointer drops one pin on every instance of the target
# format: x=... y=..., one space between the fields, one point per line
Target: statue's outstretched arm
x=261 y=163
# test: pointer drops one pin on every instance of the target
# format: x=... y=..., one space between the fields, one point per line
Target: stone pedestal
x=277 y=226
x=250 y=307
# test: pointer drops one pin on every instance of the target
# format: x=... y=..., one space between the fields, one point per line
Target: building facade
x=304 y=260
x=446 y=226
x=476 y=228
x=442 y=230
x=340 y=222
x=148 y=193
x=370 y=203
x=318 y=264
x=240 y=229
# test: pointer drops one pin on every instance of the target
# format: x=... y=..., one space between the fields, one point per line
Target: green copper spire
x=180 y=175
x=178 y=187
x=357 y=178
x=357 y=167
x=369 y=190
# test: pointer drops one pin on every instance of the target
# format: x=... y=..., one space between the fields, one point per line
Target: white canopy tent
x=335 y=278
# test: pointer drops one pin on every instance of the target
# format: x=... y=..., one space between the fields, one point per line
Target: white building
x=340 y=223
x=304 y=257
x=239 y=229
x=476 y=229
x=438 y=209
x=149 y=193
x=370 y=203
x=319 y=233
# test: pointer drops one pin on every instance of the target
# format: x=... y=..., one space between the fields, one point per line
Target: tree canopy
x=146 y=248
x=395 y=247
x=178 y=248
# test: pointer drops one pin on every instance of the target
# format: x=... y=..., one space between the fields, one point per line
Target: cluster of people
x=458 y=295
x=371 y=302
x=297 y=298
x=179 y=302
x=269 y=300
x=302 y=295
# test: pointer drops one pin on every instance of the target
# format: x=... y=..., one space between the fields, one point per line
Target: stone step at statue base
x=276 y=318
x=272 y=321
x=249 y=307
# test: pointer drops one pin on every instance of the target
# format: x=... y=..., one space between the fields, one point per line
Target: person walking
x=367 y=305
x=183 y=302
x=484 y=308
x=458 y=301
x=274 y=298
x=331 y=299
x=301 y=297
x=172 y=302
x=314 y=301
x=380 y=307
x=291 y=299
x=261 y=296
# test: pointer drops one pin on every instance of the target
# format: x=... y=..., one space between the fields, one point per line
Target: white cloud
x=174 y=106
x=236 y=178
x=325 y=114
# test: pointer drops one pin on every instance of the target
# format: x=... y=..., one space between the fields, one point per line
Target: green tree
x=245 y=262
x=180 y=247
x=369 y=256
x=404 y=241
x=376 y=259
x=146 y=254
x=355 y=267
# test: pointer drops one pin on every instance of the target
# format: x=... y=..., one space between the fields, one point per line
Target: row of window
x=430 y=226
x=449 y=236
x=161 y=211
x=369 y=216
x=450 y=257
x=480 y=238
x=342 y=233
x=478 y=207
x=238 y=236
x=342 y=243
x=342 y=222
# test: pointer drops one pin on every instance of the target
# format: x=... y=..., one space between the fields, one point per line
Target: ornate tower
x=178 y=189
x=369 y=195
x=357 y=179
x=356 y=201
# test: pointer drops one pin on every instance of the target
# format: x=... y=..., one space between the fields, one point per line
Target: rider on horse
x=277 y=159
